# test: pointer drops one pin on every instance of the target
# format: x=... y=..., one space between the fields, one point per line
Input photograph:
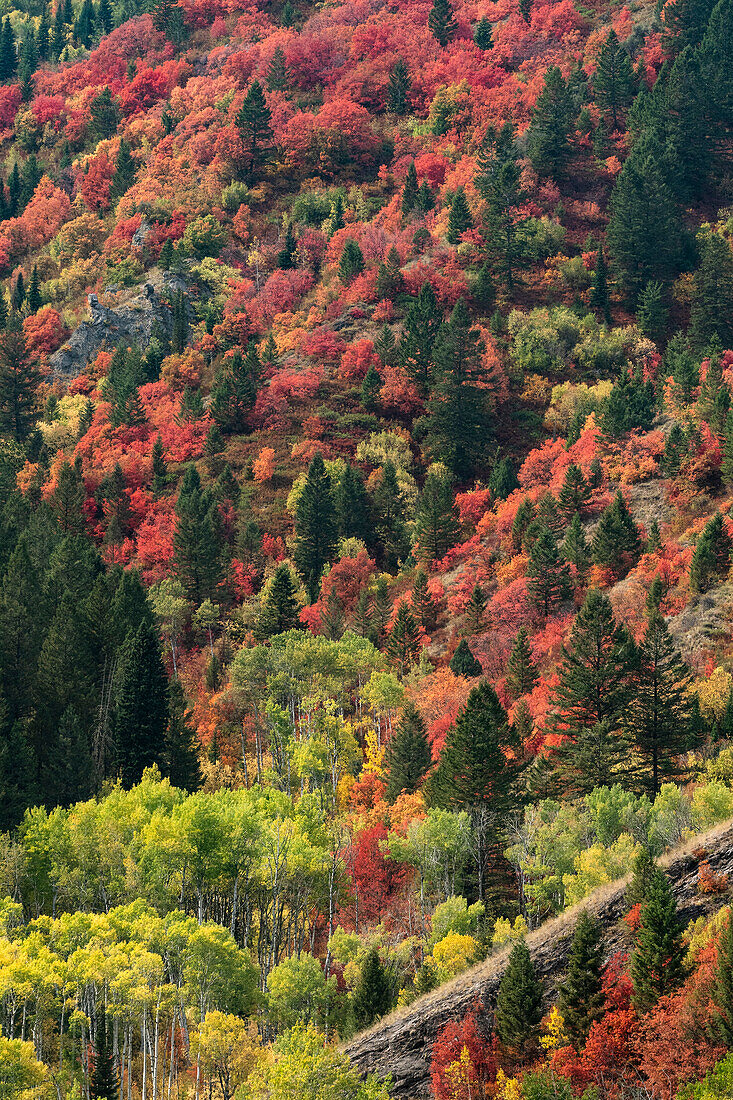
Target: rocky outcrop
x=134 y=321
x=400 y=1044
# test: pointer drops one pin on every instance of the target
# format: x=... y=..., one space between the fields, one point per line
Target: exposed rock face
x=135 y=321
x=400 y=1045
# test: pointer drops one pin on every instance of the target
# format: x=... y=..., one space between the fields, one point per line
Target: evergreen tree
x=422 y=325
x=315 y=526
x=652 y=313
x=442 y=22
x=616 y=542
x=436 y=517
x=613 y=80
x=381 y=608
x=399 y=88
x=463 y=662
x=521 y=674
x=410 y=190
x=519 y=1002
x=352 y=506
x=278 y=76
x=575 y=493
x=403 y=642
x=372 y=994
x=140 y=704
x=423 y=604
x=58 y=37
x=523 y=518
x=105 y=1081
x=198 y=541
x=125 y=171
x=482 y=34
x=408 y=756
x=68 y=774
x=657 y=962
x=286 y=255
x=104 y=17
x=43 y=35
x=575 y=549
x=104 y=115
x=475 y=610
x=34 y=292
x=351 y=263
x=68 y=499
x=498 y=182
x=18 y=295
x=460 y=218
x=234 y=392
x=19 y=381
x=363 y=624
x=712 y=297
x=503 y=480
x=333 y=622
x=548 y=576
x=711 y=560
x=280 y=610
x=721 y=1024
x=179 y=338
x=599 y=297
x=160 y=468
x=84 y=25
x=181 y=750
x=661 y=717
x=547 y=137
x=370 y=388
x=643 y=871
x=388 y=506
x=581 y=993
x=483 y=291
x=459 y=415
x=253 y=122
x=18 y=788
x=8 y=55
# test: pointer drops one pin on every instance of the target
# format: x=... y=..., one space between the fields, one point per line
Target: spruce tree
x=372 y=995
x=721 y=1024
x=68 y=499
x=711 y=315
x=278 y=76
x=503 y=480
x=463 y=662
x=104 y=115
x=370 y=388
x=234 y=392
x=616 y=542
x=657 y=962
x=423 y=604
x=482 y=34
x=519 y=1002
x=125 y=171
x=548 y=576
x=18 y=772
x=575 y=493
x=410 y=190
x=315 y=526
x=389 y=524
x=652 y=313
x=198 y=539
x=286 y=255
x=8 y=55
x=104 y=17
x=475 y=610
x=280 y=609
x=160 y=473
x=19 y=381
x=599 y=297
x=711 y=560
x=498 y=182
x=140 y=704
x=403 y=641
x=442 y=22
x=575 y=549
x=181 y=749
x=547 y=137
x=352 y=506
x=34 y=299
x=105 y=1081
x=381 y=608
x=483 y=291
x=436 y=517
x=422 y=325
x=581 y=993
x=253 y=123
x=399 y=87
x=408 y=756
x=351 y=263
x=642 y=872
x=521 y=674
x=459 y=219
x=613 y=80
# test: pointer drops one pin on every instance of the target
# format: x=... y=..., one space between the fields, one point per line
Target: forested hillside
x=366 y=466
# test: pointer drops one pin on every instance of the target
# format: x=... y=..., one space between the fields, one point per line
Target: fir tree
x=315 y=526
x=140 y=703
x=278 y=76
x=519 y=1002
x=547 y=137
x=711 y=315
x=721 y=1025
x=463 y=662
x=581 y=993
x=599 y=297
x=523 y=518
x=8 y=55
x=58 y=37
x=372 y=994
x=370 y=387
x=197 y=542
x=104 y=115
x=410 y=190
x=125 y=171
x=333 y=622
x=280 y=610
x=503 y=480
x=288 y=14
x=652 y=313
x=482 y=34
x=19 y=381
x=711 y=560
x=436 y=517
x=616 y=542
x=351 y=263
x=234 y=392
x=352 y=506
x=18 y=294
x=104 y=17
x=181 y=749
x=575 y=493
x=68 y=499
x=498 y=182
x=179 y=337
x=613 y=80
x=399 y=87
x=105 y=1081
x=286 y=255
x=423 y=604
x=403 y=642
x=475 y=610
x=363 y=624
x=422 y=325
x=575 y=549
x=159 y=468
x=442 y=22
x=521 y=674
x=483 y=291
x=34 y=298
x=657 y=962
x=460 y=218
x=642 y=874
x=253 y=122
x=389 y=524
x=408 y=756
x=548 y=576
x=381 y=608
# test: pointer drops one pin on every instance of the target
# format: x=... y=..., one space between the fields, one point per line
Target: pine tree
x=280 y=610
x=661 y=717
x=599 y=297
x=581 y=993
x=575 y=549
x=278 y=76
x=423 y=604
x=58 y=38
x=388 y=506
x=547 y=137
x=498 y=182
x=403 y=641
x=18 y=293
x=159 y=468
x=315 y=526
x=460 y=218
x=336 y=217
x=408 y=756
x=436 y=517
x=34 y=298
x=399 y=87
x=105 y=1081
x=575 y=493
x=370 y=388
x=18 y=770
x=125 y=171
x=181 y=749
x=616 y=542
x=548 y=575
x=613 y=80
x=410 y=190
x=19 y=381
x=234 y=392
x=363 y=624
x=442 y=22
x=711 y=315
x=381 y=608
x=288 y=14
x=657 y=962
x=351 y=263
x=140 y=704
x=253 y=122
x=422 y=325
x=482 y=34
x=652 y=313
x=463 y=662
x=352 y=506
x=198 y=540
x=104 y=115
x=721 y=1025
x=521 y=674
x=372 y=994
x=475 y=610
x=105 y=18
x=8 y=55
x=459 y=414
x=68 y=499
x=519 y=1002
x=642 y=873
x=711 y=560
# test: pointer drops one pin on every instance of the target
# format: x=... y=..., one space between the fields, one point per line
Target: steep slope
x=400 y=1044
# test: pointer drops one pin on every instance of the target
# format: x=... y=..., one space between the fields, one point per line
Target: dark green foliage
x=315 y=526
x=105 y=1081
x=503 y=480
x=711 y=560
x=643 y=872
x=399 y=87
x=616 y=542
x=475 y=610
x=410 y=190
x=278 y=76
x=482 y=35
x=657 y=962
x=351 y=263
x=104 y=115
x=68 y=499
x=17 y=776
x=575 y=549
x=463 y=662
x=125 y=171
x=581 y=993
x=198 y=539
x=575 y=493
x=547 y=572
x=333 y=622
x=436 y=517
x=442 y=22
x=104 y=18
x=722 y=990
x=19 y=380
x=363 y=624
x=18 y=294
x=483 y=291
x=389 y=520
x=179 y=338
x=547 y=137
x=662 y=717
x=712 y=297
x=498 y=183
x=352 y=506
x=372 y=996
x=286 y=255
x=676 y=447
x=423 y=604
x=370 y=387
x=652 y=312
x=234 y=392
x=459 y=421
x=160 y=468
x=8 y=55
x=519 y=1003
x=33 y=297
x=523 y=518
x=140 y=704
x=280 y=610
x=422 y=325
x=403 y=642
x=253 y=123
x=631 y=404
x=521 y=674
x=460 y=218
x=408 y=754
x=599 y=297
x=613 y=80
x=181 y=749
